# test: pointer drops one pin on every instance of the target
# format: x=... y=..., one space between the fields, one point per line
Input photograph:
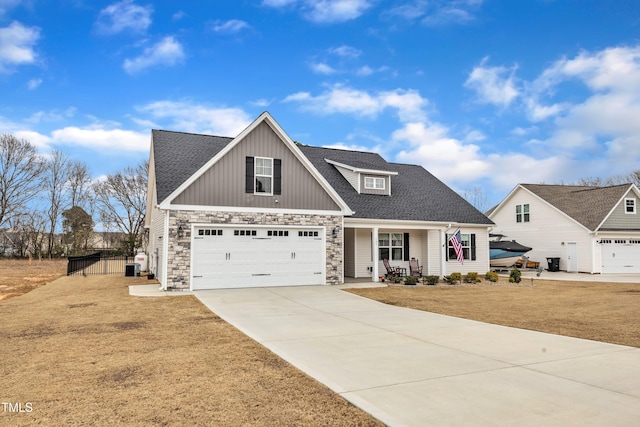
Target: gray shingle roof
x=415 y=194
x=178 y=155
x=587 y=205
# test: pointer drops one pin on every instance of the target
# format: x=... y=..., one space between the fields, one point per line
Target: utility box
x=132 y=270
x=554 y=264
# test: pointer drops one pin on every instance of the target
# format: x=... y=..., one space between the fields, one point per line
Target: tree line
x=49 y=204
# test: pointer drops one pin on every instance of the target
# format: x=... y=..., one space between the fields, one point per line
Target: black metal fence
x=98 y=263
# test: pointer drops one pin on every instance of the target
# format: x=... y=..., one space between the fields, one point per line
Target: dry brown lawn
x=605 y=312
x=19 y=276
x=81 y=351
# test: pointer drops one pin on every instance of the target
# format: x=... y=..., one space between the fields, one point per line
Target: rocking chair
x=391 y=271
x=414 y=268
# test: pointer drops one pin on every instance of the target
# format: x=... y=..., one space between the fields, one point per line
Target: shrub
x=515 y=275
x=430 y=280
x=491 y=276
x=453 y=278
x=471 y=277
x=397 y=279
x=410 y=280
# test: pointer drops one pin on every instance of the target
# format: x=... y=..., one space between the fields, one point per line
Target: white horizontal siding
x=547 y=232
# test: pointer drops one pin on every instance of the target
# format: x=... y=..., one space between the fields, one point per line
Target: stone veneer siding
x=179 y=251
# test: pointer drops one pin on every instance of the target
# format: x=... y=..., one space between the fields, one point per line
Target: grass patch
x=605 y=312
x=84 y=352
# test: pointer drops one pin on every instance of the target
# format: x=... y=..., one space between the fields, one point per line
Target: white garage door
x=620 y=256
x=238 y=257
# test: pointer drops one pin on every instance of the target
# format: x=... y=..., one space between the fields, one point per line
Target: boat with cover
x=505 y=253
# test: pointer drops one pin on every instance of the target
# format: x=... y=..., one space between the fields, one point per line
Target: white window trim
x=256 y=175
x=391 y=246
x=634 y=206
x=374 y=180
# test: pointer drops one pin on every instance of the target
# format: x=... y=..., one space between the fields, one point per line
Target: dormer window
x=373 y=183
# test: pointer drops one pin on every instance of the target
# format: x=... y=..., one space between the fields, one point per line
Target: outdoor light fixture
x=180 y=232
x=335 y=232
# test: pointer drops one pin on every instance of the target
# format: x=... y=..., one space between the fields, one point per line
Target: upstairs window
x=373 y=183
x=630 y=206
x=522 y=213
x=264 y=176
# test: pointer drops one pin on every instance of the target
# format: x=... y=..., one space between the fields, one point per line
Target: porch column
x=443 y=253
x=374 y=256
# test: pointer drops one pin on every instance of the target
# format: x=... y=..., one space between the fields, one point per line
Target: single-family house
x=591 y=229
x=259 y=209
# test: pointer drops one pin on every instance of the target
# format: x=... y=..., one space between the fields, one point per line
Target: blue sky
x=482 y=93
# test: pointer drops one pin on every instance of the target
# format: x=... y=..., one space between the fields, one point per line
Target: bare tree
x=20 y=167
x=79 y=186
x=121 y=200
x=56 y=175
x=477 y=197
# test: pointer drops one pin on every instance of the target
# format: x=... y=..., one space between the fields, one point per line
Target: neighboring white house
x=591 y=229
x=261 y=210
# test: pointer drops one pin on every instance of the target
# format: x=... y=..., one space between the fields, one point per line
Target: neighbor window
x=630 y=206
x=522 y=213
x=390 y=246
x=264 y=175
x=371 y=183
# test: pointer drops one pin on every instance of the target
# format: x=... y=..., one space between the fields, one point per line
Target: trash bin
x=132 y=270
x=554 y=264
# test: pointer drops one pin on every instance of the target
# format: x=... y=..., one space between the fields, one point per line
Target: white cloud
x=437 y=12
x=103 y=140
x=197 y=118
x=408 y=104
x=33 y=83
x=364 y=71
x=493 y=85
x=345 y=51
x=167 y=52
x=324 y=11
x=322 y=68
x=124 y=16
x=230 y=27
x=5 y=5
x=17 y=45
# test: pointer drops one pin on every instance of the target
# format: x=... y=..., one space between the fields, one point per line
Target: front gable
x=626 y=214
x=229 y=180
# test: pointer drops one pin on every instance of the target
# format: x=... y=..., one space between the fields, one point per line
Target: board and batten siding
x=547 y=232
x=620 y=220
x=224 y=183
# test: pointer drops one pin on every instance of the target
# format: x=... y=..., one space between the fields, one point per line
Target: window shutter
x=249 y=182
x=277 y=176
x=406 y=247
x=473 y=247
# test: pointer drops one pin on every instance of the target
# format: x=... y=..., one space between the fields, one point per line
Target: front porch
x=366 y=247
x=366 y=244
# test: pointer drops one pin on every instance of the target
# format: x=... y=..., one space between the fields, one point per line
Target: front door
x=572 y=258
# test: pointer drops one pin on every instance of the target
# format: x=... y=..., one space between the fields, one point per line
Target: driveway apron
x=413 y=368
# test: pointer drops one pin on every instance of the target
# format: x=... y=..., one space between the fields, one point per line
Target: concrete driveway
x=412 y=368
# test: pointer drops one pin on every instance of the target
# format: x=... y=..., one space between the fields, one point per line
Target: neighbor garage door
x=620 y=256
x=237 y=257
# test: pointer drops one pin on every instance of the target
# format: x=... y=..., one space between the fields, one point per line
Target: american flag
x=456 y=242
